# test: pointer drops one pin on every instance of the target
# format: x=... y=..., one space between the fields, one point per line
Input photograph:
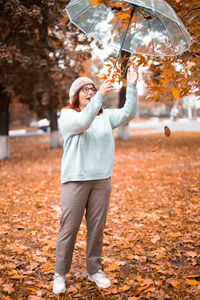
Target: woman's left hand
x=132 y=74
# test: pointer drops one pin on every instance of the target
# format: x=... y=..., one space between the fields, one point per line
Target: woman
x=87 y=165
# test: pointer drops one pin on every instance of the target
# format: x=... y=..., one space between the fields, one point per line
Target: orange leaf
x=18 y=249
x=173 y=282
x=175 y=234
x=176 y=93
x=142 y=287
x=34 y=298
x=124 y=288
x=193 y=282
x=167 y=131
x=96 y=2
x=8 y=288
x=113 y=267
x=142 y=11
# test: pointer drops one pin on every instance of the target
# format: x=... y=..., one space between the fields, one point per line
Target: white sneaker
x=100 y=279
x=59 y=284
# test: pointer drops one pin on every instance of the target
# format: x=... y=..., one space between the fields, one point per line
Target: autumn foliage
x=171 y=77
x=151 y=241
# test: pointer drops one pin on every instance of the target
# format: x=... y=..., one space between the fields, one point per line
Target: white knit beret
x=77 y=85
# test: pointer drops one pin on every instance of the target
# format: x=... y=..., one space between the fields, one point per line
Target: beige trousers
x=76 y=197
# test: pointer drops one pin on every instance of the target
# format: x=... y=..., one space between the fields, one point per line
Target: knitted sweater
x=88 y=137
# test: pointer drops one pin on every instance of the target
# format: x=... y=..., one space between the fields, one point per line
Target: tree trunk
x=55 y=138
x=189 y=111
x=124 y=131
x=4 y=125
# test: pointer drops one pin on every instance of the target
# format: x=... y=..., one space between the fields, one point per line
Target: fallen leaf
x=124 y=288
x=8 y=288
x=113 y=267
x=193 y=282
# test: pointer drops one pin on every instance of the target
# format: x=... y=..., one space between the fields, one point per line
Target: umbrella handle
x=120 y=50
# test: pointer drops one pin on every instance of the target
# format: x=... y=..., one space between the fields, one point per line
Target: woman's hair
x=75 y=104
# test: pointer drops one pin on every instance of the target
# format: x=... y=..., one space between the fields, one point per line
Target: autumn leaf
x=193 y=282
x=176 y=93
x=18 y=249
x=97 y=2
x=8 y=288
x=124 y=288
x=191 y=253
x=155 y=239
x=175 y=234
x=47 y=267
x=34 y=298
x=113 y=267
x=141 y=288
x=173 y=282
x=167 y=131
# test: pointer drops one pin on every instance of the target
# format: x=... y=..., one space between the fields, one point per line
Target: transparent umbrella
x=149 y=27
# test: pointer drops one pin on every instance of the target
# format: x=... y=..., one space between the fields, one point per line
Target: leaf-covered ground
x=151 y=241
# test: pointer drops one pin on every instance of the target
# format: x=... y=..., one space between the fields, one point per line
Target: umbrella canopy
x=149 y=27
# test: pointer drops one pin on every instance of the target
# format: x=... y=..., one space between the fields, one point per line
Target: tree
x=38 y=58
x=173 y=78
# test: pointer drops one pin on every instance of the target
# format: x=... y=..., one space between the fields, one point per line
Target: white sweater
x=88 y=137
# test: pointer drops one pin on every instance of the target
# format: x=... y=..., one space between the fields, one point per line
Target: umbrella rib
x=152 y=37
x=166 y=32
x=81 y=12
x=94 y=24
x=183 y=35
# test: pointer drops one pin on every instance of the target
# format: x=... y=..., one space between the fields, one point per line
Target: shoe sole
x=60 y=292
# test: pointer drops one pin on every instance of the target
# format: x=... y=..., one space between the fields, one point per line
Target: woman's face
x=85 y=95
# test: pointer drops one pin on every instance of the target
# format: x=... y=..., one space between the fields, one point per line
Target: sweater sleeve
x=123 y=115
x=73 y=122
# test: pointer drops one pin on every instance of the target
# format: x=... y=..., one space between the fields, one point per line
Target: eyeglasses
x=86 y=90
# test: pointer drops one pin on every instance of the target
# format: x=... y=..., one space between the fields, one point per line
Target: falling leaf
x=167 y=131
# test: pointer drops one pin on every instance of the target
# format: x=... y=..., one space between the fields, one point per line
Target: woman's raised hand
x=106 y=87
x=132 y=74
